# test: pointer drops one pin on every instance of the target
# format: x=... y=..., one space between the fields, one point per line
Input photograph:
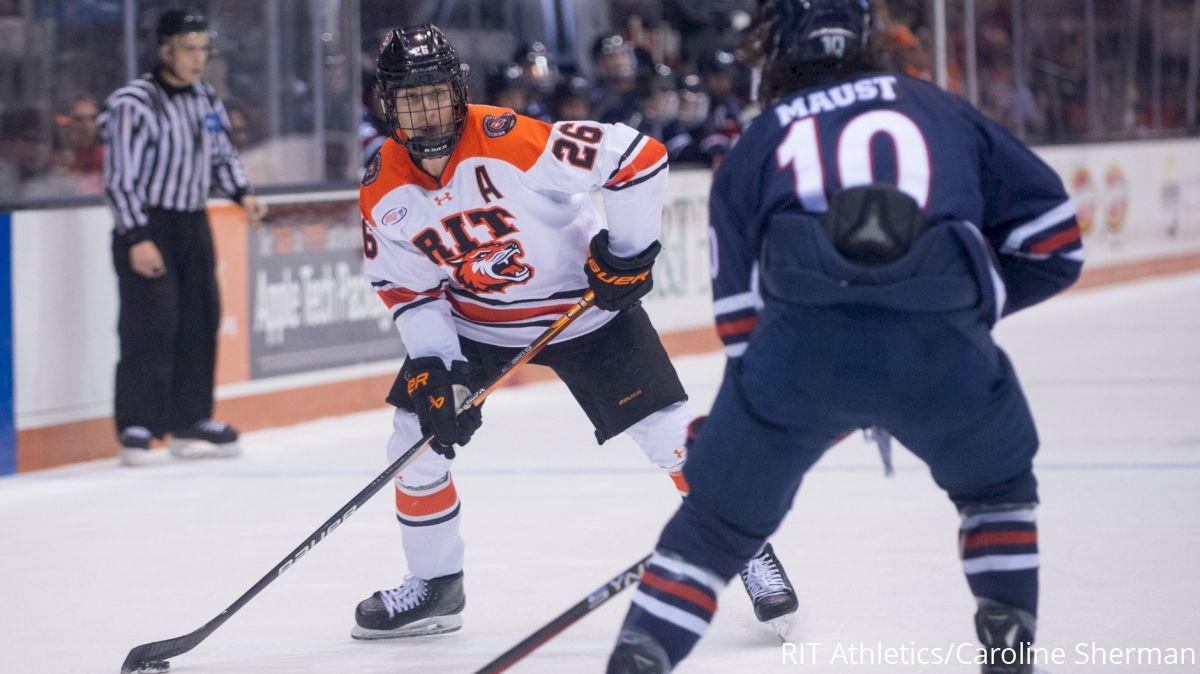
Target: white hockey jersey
x=495 y=250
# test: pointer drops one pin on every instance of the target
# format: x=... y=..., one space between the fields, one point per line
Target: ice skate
x=135 y=448
x=638 y=653
x=206 y=439
x=417 y=608
x=1002 y=628
x=775 y=601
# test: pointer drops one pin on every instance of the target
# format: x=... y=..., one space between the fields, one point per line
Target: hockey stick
x=569 y=617
x=151 y=658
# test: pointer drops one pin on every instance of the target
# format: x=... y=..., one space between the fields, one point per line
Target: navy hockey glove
x=436 y=394
x=619 y=282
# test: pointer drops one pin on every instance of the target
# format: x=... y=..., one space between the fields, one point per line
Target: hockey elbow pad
x=618 y=282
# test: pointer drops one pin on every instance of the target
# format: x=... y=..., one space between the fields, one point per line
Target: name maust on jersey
x=835 y=98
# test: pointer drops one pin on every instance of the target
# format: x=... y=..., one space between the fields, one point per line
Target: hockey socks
x=1000 y=554
x=427 y=506
x=429 y=519
x=681 y=484
x=671 y=610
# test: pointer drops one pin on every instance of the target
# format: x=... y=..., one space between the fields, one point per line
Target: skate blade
x=421 y=628
x=782 y=626
x=198 y=449
x=139 y=458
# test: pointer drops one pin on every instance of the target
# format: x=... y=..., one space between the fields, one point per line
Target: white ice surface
x=95 y=558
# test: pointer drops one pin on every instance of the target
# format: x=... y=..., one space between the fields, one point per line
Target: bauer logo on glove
x=613 y=279
x=619 y=282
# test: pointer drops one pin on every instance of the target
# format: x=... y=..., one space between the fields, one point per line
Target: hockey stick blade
x=608 y=590
x=151 y=656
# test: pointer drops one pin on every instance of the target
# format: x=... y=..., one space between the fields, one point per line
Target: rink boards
x=302 y=336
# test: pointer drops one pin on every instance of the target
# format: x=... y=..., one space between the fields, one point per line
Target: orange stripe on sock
x=427 y=504
x=738 y=327
x=982 y=540
x=685 y=592
x=680 y=483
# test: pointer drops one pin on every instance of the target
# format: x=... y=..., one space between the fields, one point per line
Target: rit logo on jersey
x=490 y=265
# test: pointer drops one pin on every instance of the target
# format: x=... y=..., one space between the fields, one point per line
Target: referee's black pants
x=168 y=327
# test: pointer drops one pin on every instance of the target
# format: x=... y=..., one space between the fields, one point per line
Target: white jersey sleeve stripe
x=739 y=302
x=1055 y=216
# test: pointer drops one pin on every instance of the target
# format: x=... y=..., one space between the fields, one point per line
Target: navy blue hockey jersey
x=884 y=127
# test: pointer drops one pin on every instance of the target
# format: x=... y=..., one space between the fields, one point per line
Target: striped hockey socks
x=673 y=605
x=999 y=552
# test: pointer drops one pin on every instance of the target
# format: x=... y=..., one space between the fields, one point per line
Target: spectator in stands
x=505 y=87
x=693 y=119
x=80 y=134
x=26 y=149
x=1002 y=96
x=540 y=75
x=659 y=103
x=616 y=67
x=572 y=99
x=723 y=127
x=661 y=117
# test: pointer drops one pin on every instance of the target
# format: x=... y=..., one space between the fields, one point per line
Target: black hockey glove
x=436 y=394
x=619 y=282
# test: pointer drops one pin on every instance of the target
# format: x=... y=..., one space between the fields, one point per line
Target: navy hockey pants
x=811 y=374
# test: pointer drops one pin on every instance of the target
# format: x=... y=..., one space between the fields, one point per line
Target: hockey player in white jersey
x=478 y=232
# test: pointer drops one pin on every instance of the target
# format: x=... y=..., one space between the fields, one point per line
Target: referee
x=166 y=146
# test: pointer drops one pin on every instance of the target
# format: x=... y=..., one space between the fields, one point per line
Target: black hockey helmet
x=177 y=21
x=417 y=56
x=812 y=30
x=814 y=35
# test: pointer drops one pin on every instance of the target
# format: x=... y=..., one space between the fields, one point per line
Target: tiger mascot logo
x=492 y=267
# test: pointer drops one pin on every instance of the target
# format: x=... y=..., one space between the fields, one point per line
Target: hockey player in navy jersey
x=869 y=230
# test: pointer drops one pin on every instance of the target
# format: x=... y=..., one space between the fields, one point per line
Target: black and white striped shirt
x=164 y=148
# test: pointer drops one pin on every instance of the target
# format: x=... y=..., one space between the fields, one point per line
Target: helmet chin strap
x=415 y=150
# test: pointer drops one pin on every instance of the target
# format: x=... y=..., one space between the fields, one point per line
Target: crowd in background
x=43 y=155
x=673 y=69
